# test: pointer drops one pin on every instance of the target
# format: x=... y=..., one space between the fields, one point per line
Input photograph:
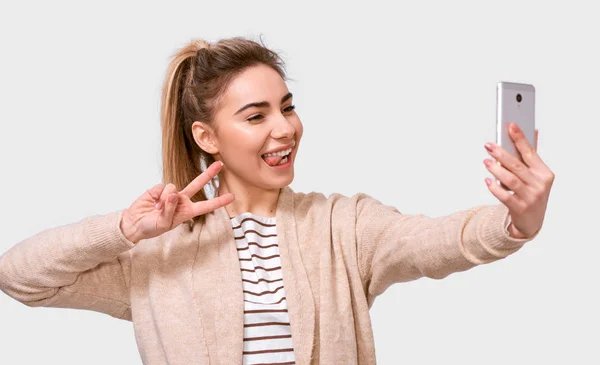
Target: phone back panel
x=515 y=104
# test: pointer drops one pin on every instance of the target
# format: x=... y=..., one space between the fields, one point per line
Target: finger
x=535 y=138
x=512 y=164
x=166 y=216
x=168 y=190
x=510 y=180
x=153 y=193
x=527 y=152
x=198 y=183
x=210 y=205
x=512 y=201
x=148 y=200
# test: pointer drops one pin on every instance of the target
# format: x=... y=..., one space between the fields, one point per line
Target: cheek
x=241 y=145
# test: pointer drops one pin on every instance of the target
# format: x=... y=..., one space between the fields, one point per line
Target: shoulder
x=333 y=202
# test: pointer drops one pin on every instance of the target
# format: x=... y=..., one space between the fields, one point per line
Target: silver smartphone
x=515 y=103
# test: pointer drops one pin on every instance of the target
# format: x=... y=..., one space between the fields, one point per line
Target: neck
x=249 y=198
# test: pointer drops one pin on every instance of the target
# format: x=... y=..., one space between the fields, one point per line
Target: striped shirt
x=267 y=332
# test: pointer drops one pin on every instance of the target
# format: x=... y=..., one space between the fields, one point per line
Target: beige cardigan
x=183 y=289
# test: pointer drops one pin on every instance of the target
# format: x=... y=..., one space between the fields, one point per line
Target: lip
x=291 y=145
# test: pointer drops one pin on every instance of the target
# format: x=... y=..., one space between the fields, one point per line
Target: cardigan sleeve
x=82 y=265
x=394 y=247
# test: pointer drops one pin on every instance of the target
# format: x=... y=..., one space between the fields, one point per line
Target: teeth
x=283 y=160
x=280 y=153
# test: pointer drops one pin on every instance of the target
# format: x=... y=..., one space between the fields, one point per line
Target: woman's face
x=255 y=118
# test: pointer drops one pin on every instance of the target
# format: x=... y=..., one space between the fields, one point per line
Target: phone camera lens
x=519 y=98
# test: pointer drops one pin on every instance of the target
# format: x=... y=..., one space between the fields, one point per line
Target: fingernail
x=487 y=162
x=488 y=181
x=157 y=206
x=513 y=128
x=222 y=164
x=489 y=146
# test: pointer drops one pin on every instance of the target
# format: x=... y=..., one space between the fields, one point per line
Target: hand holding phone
x=530 y=181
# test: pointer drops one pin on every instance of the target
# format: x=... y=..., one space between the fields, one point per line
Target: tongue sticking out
x=272 y=160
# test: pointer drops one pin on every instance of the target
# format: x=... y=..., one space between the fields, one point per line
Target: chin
x=288 y=181
x=283 y=182
x=279 y=183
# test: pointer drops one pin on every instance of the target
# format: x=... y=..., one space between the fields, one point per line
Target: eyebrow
x=262 y=104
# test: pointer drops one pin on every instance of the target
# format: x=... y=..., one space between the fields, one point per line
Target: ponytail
x=180 y=154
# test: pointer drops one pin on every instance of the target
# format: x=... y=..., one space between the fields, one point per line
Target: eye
x=289 y=108
x=255 y=118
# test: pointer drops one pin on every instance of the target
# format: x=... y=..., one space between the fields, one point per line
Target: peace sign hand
x=162 y=208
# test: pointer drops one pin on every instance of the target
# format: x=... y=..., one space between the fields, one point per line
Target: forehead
x=255 y=84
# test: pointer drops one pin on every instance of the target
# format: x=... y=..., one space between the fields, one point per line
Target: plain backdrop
x=397 y=101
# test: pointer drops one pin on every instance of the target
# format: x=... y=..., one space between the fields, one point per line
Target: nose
x=283 y=129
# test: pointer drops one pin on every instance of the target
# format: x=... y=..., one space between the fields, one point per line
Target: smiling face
x=256 y=131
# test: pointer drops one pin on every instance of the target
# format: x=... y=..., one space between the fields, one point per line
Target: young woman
x=258 y=274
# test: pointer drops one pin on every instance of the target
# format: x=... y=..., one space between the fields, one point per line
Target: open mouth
x=277 y=158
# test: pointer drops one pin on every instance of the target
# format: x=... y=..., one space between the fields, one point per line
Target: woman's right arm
x=85 y=265
x=78 y=265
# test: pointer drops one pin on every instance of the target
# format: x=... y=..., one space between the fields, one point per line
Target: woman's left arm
x=395 y=247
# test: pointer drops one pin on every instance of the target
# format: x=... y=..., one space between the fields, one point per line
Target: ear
x=205 y=137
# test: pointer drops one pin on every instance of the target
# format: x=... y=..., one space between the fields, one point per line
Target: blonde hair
x=198 y=74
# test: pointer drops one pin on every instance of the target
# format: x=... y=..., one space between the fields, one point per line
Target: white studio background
x=397 y=100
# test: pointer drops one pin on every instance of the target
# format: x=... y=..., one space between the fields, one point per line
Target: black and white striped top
x=267 y=332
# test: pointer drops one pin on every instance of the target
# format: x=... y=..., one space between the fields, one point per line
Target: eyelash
x=255 y=118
